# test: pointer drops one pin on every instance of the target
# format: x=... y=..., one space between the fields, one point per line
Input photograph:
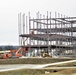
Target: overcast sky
x=9 y=10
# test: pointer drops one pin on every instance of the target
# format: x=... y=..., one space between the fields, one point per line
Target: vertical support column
x=33 y=39
x=67 y=38
x=40 y=27
x=64 y=27
x=55 y=20
x=44 y=29
x=26 y=30
x=64 y=31
x=61 y=33
x=50 y=38
x=26 y=26
x=23 y=28
x=61 y=28
x=71 y=37
x=19 y=27
x=37 y=14
x=47 y=30
x=29 y=29
x=52 y=21
x=33 y=29
x=47 y=33
x=56 y=32
x=72 y=34
x=50 y=27
x=29 y=33
x=69 y=33
x=23 y=23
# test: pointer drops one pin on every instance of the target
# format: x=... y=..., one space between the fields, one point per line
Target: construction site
x=44 y=36
x=47 y=36
x=47 y=46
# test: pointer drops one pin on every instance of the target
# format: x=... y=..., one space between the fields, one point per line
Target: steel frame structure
x=47 y=33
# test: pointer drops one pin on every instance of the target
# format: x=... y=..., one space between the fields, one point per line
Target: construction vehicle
x=5 y=54
x=45 y=54
x=13 y=53
x=20 y=52
x=9 y=54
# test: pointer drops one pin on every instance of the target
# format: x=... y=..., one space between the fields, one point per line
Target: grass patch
x=63 y=72
x=40 y=72
x=27 y=72
x=32 y=60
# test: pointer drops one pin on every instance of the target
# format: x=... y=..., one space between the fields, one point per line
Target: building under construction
x=55 y=35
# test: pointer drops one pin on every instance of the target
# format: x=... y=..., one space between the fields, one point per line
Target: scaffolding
x=55 y=35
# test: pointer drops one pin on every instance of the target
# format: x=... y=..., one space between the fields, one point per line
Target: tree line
x=8 y=47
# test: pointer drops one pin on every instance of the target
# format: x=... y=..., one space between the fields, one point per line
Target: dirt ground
x=33 y=60
x=50 y=70
x=41 y=72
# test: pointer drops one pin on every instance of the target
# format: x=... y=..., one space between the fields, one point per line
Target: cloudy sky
x=9 y=10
